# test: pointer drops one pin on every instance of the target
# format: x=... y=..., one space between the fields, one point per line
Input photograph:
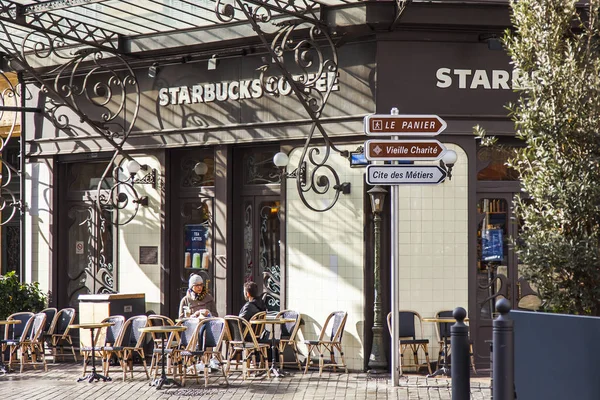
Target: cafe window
x=197 y=169
x=197 y=234
x=86 y=176
x=259 y=168
x=491 y=164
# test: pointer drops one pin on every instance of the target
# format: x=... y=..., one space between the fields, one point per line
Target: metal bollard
x=459 y=344
x=503 y=374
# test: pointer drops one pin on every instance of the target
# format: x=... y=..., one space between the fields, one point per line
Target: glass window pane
x=259 y=168
x=197 y=170
x=86 y=176
x=491 y=163
x=492 y=254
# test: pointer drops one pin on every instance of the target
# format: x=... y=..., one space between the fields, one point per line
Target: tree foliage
x=555 y=52
x=16 y=296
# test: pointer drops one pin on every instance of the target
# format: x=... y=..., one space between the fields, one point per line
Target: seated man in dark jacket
x=254 y=304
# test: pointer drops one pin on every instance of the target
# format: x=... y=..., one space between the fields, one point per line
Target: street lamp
x=377 y=360
x=448 y=160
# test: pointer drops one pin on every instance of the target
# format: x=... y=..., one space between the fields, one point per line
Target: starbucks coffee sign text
x=238 y=90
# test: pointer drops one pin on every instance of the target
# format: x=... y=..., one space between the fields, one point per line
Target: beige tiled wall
x=143 y=230
x=38 y=192
x=433 y=246
x=325 y=253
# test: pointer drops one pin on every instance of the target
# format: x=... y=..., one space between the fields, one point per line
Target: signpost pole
x=394 y=204
x=394 y=175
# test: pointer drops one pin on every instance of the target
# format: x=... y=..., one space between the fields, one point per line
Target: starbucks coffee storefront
x=211 y=201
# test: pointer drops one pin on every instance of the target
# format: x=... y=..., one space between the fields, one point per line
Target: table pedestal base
x=274 y=371
x=4 y=369
x=164 y=380
x=442 y=371
x=93 y=376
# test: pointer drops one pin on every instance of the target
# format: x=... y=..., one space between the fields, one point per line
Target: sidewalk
x=60 y=382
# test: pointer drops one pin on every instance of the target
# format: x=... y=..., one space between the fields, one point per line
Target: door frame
x=481 y=330
x=66 y=200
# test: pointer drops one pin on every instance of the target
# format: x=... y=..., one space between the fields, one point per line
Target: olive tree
x=554 y=46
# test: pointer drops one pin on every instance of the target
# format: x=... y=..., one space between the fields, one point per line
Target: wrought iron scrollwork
x=10 y=202
x=108 y=91
x=303 y=62
x=122 y=200
x=100 y=89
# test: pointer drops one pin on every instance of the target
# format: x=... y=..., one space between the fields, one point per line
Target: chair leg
x=23 y=355
x=280 y=349
x=72 y=348
x=85 y=359
x=206 y=368
x=143 y=356
x=265 y=357
x=222 y=368
x=245 y=364
x=472 y=356
x=321 y=360
x=308 y=356
x=44 y=361
x=426 y=351
x=342 y=357
x=295 y=350
x=415 y=350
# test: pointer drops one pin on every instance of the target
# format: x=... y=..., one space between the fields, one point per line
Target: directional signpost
x=394 y=150
x=396 y=125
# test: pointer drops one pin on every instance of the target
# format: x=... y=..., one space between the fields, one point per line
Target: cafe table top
x=442 y=319
x=10 y=322
x=91 y=325
x=163 y=328
x=278 y=321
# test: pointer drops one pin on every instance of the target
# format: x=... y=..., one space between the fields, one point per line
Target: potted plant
x=16 y=296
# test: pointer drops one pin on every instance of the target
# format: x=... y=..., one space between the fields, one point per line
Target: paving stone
x=60 y=382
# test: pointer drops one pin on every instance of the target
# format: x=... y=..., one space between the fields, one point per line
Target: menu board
x=196 y=244
x=492 y=245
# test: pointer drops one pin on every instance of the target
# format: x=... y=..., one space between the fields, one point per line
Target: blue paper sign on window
x=196 y=251
x=492 y=245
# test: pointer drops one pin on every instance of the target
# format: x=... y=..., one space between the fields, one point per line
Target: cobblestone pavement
x=60 y=383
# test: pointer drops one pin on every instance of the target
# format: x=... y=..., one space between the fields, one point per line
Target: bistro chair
x=335 y=323
x=287 y=336
x=176 y=344
x=258 y=329
x=31 y=345
x=49 y=326
x=442 y=330
x=409 y=340
x=242 y=340
x=207 y=345
x=14 y=334
x=109 y=347
x=158 y=320
x=132 y=342
x=60 y=333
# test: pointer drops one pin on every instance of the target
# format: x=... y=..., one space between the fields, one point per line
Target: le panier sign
x=403 y=124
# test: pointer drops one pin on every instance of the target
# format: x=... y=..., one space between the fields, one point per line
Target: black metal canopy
x=134 y=27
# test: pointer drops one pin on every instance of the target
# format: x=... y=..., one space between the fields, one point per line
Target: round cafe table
x=163 y=330
x=3 y=368
x=91 y=326
x=273 y=321
x=443 y=370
